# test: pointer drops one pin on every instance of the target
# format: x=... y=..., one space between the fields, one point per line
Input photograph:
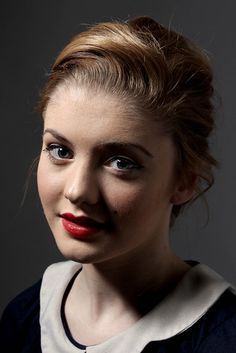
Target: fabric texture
x=22 y=326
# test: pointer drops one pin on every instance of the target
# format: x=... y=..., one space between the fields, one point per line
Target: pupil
x=122 y=164
x=62 y=152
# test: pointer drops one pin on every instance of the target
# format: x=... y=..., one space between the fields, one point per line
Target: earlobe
x=185 y=191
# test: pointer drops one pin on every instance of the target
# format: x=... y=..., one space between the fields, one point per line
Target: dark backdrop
x=32 y=34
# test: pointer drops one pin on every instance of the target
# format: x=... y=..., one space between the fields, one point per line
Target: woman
x=127 y=113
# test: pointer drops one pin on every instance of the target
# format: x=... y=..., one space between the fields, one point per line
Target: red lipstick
x=81 y=226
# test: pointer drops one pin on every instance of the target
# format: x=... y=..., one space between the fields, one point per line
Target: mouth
x=81 y=226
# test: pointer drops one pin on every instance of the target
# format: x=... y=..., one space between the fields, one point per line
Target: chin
x=83 y=253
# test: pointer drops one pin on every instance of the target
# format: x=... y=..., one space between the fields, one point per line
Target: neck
x=109 y=297
x=131 y=282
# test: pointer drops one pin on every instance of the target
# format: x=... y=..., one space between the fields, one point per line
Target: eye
x=58 y=152
x=121 y=163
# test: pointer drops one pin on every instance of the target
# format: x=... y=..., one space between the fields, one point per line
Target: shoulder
x=214 y=332
x=218 y=326
x=198 y=316
x=24 y=304
x=27 y=304
x=19 y=324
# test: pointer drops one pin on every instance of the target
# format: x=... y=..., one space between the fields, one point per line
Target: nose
x=81 y=185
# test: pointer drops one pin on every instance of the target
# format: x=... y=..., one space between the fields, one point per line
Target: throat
x=110 y=310
x=90 y=326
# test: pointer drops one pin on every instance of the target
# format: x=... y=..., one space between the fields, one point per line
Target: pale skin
x=117 y=168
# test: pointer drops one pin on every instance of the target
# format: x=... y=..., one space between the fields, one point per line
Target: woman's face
x=105 y=177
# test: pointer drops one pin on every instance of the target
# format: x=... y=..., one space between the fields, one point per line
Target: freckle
x=115 y=212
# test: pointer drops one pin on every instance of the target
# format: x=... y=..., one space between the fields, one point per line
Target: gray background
x=32 y=33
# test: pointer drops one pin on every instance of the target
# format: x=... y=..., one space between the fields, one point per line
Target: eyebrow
x=56 y=135
x=125 y=145
x=102 y=145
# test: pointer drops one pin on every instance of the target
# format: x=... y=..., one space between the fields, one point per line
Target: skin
x=131 y=189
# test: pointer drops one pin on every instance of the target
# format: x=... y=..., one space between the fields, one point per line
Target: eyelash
x=130 y=163
x=52 y=148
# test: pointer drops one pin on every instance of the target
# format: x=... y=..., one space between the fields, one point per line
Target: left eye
x=58 y=152
x=122 y=163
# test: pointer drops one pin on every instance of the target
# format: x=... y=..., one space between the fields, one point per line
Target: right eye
x=58 y=152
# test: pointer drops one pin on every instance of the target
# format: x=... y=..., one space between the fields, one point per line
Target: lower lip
x=79 y=231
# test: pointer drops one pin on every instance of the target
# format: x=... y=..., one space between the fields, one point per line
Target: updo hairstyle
x=159 y=72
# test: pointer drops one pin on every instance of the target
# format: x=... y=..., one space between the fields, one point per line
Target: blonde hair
x=162 y=74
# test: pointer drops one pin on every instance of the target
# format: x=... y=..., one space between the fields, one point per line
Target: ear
x=185 y=190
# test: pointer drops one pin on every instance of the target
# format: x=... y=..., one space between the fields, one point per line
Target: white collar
x=188 y=302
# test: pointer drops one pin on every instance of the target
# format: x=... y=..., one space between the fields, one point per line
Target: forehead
x=86 y=115
x=72 y=103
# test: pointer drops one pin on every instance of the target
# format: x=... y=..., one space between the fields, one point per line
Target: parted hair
x=159 y=72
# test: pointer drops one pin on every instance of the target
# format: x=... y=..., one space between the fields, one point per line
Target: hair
x=159 y=72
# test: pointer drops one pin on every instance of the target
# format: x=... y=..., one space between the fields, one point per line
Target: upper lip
x=81 y=220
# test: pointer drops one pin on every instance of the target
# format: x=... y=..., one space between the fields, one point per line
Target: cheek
x=138 y=203
x=48 y=185
x=127 y=200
